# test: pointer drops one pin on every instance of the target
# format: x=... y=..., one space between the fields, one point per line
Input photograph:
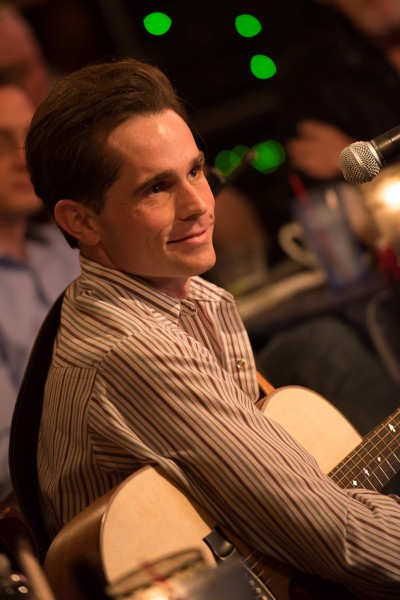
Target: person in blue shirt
x=36 y=263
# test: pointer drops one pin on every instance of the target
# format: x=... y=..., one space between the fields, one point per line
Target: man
x=152 y=365
x=35 y=264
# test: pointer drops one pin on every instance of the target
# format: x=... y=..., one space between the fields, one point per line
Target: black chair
x=25 y=430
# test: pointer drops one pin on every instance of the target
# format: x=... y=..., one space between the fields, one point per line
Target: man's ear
x=77 y=219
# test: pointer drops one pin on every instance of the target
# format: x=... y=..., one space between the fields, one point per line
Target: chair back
x=25 y=429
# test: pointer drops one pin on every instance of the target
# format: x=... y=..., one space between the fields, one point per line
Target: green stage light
x=262 y=66
x=269 y=156
x=157 y=23
x=247 y=25
x=238 y=152
x=226 y=161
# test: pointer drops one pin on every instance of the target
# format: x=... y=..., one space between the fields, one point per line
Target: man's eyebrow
x=154 y=179
x=199 y=158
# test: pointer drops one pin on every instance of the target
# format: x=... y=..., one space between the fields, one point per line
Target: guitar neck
x=375 y=461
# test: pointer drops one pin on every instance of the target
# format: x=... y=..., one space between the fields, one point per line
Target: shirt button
x=240 y=363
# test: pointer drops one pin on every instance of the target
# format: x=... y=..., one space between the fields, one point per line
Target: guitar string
x=258 y=563
x=256 y=559
x=371 y=440
x=373 y=468
x=366 y=447
x=368 y=466
x=375 y=441
x=374 y=438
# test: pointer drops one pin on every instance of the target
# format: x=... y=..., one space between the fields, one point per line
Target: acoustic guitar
x=147 y=517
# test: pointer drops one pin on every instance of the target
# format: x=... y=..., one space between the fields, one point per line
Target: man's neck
x=12 y=237
x=176 y=288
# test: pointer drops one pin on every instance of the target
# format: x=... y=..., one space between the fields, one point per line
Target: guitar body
x=314 y=422
x=146 y=517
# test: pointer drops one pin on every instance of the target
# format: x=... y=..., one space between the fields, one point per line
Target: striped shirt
x=139 y=378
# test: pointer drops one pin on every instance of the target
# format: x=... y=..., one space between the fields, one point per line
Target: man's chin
x=204 y=265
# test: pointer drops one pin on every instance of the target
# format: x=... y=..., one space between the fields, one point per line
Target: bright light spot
x=247 y=25
x=269 y=155
x=240 y=150
x=157 y=23
x=262 y=66
x=226 y=161
x=390 y=195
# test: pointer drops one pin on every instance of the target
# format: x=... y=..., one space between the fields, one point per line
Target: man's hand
x=316 y=149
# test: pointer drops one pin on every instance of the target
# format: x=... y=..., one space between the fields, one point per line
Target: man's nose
x=193 y=202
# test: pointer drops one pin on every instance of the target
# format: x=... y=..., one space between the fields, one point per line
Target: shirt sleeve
x=172 y=404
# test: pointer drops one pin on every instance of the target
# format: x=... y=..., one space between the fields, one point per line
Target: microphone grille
x=359 y=162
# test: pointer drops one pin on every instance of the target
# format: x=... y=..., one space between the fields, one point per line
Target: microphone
x=361 y=161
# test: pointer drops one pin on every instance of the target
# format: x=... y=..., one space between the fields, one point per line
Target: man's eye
x=156 y=188
x=196 y=171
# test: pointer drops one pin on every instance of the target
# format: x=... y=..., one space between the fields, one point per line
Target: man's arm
x=244 y=468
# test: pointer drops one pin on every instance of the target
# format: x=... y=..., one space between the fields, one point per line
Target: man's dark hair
x=66 y=149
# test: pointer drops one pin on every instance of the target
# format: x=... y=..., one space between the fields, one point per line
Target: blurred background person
x=346 y=84
x=36 y=264
x=21 y=54
x=340 y=82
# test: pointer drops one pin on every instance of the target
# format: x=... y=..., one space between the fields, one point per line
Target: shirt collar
x=135 y=287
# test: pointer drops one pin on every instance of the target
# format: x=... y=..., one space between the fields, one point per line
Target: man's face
x=17 y=198
x=375 y=18
x=158 y=217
